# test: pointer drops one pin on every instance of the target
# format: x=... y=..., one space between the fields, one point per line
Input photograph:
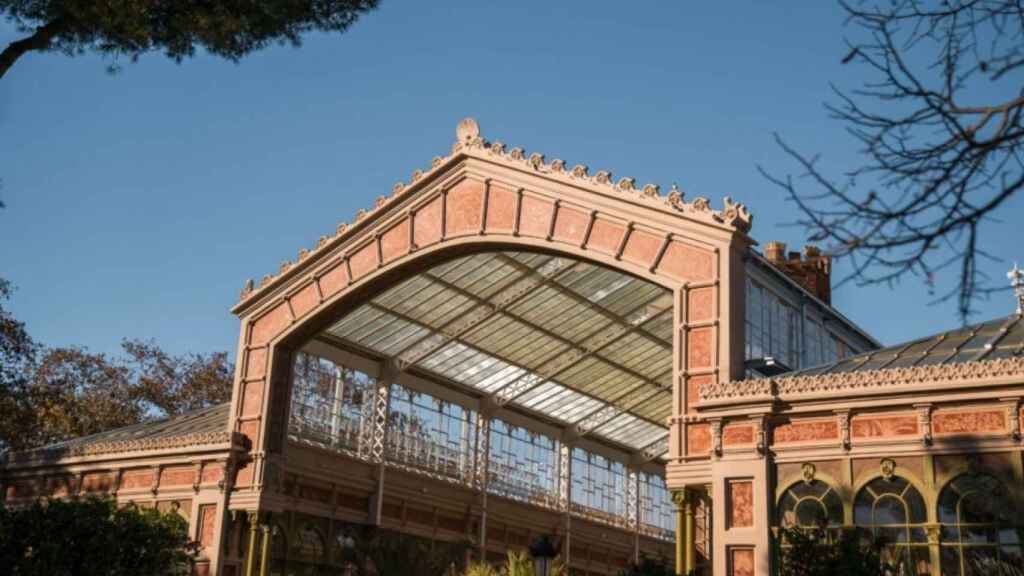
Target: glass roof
x=999 y=338
x=555 y=336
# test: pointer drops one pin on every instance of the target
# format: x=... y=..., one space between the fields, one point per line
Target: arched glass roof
x=571 y=341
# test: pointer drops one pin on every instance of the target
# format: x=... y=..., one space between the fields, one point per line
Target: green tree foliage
x=17 y=356
x=130 y=28
x=516 y=564
x=844 y=552
x=650 y=567
x=93 y=537
x=52 y=394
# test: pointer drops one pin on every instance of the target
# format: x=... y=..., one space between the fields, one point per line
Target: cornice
x=733 y=216
x=887 y=379
x=194 y=440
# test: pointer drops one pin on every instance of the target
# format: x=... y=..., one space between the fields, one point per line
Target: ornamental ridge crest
x=469 y=141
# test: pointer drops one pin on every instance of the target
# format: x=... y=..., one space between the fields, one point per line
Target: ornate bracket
x=844 y=428
x=1013 y=416
x=808 y=470
x=761 y=436
x=888 y=468
x=924 y=422
x=716 y=437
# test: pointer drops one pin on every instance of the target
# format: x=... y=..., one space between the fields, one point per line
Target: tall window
x=598 y=486
x=771 y=326
x=328 y=401
x=894 y=512
x=979 y=536
x=430 y=434
x=812 y=504
x=523 y=465
x=657 y=512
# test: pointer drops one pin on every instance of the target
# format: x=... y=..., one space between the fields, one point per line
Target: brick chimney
x=812 y=270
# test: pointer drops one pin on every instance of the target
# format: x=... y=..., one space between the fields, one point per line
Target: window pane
x=889 y=510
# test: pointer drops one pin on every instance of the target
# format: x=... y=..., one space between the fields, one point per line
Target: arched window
x=894 y=513
x=278 y=551
x=311 y=544
x=812 y=504
x=979 y=536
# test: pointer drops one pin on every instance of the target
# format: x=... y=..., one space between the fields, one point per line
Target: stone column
x=250 y=557
x=682 y=537
x=691 y=530
x=265 y=553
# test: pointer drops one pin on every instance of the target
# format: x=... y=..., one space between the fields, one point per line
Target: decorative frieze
x=845 y=382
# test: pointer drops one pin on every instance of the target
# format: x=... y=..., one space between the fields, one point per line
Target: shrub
x=93 y=536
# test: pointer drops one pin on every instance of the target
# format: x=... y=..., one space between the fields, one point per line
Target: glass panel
x=980 y=561
x=889 y=510
x=657 y=512
x=598 y=487
x=430 y=434
x=523 y=465
x=328 y=402
x=811 y=512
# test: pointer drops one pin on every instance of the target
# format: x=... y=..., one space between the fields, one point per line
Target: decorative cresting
x=767 y=389
x=481 y=194
x=733 y=215
x=194 y=440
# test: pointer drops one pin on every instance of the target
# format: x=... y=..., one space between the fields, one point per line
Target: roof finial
x=467 y=130
x=1016 y=277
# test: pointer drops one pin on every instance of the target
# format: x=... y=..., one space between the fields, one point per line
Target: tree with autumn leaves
x=52 y=394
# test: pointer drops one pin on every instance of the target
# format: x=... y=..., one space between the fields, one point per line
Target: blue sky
x=138 y=203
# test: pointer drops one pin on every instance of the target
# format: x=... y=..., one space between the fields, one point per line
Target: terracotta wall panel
x=883 y=426
x=395 y=242
x=207 y=523
x=535 y=217
x=741 y=504
x=270 y=324
x=700 y=348
x=464 y=208
x=685 y=262
x=250 y=429
x=738 y=434
x=212 y=473
x=605 y=236
x=819 y=430
x=570 y=225
x=97 y=482
x=252 y=398
x=427 y=225
x=693 y=384
x=243 y=475
x=256 y=363
x=698 y=439
x=642 y=248
x=700 y=306
x=501 y=209
x=969 y=422
x=136 y=479
x=741 y=562
x=305 y=299
x=363 y=261
x=177 y=476
x=333 y=280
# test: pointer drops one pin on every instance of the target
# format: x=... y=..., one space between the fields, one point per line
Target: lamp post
x=543 y=553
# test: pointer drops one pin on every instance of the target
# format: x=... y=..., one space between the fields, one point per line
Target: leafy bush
x=837 y=552
x=517 y=564
x=93 y=537
x=648 y=566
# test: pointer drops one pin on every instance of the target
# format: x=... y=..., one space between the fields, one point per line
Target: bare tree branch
x=938 y=164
